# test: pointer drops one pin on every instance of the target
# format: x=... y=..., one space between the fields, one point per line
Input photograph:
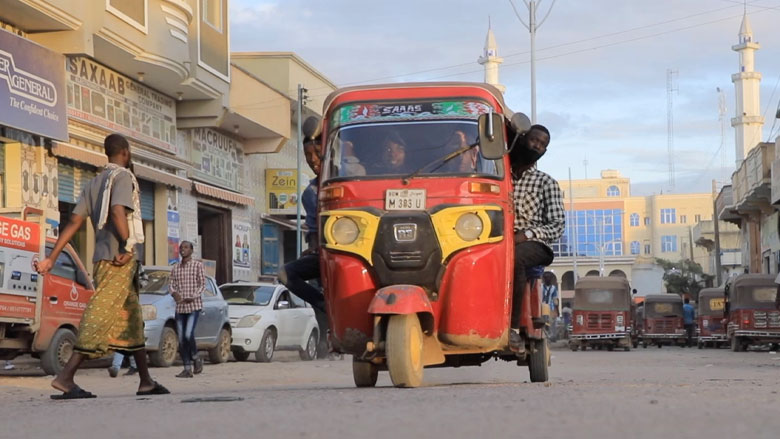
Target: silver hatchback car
x=213 y=332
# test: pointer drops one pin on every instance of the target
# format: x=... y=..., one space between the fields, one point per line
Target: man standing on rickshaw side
x=689 y=321
x=539 y=217
x=295 y=274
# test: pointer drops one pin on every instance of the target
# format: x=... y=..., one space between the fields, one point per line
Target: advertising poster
x=242 y=258
x=19 y=247
x=101 y=96
x=173 y=237
x=216 y=158
x=281 y=194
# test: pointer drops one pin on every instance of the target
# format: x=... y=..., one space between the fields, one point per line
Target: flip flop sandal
x=75 y=392
x=158 y=389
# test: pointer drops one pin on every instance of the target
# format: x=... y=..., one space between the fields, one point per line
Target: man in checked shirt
x=539 y=217
x=186 y=286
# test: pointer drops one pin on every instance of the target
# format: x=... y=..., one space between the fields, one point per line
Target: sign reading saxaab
x=31 y=88
x=101 y=96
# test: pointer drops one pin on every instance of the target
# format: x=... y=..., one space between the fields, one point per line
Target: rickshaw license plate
x=405 y=199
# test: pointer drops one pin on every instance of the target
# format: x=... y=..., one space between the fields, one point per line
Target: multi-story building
x=611 y=233
x=160 y=73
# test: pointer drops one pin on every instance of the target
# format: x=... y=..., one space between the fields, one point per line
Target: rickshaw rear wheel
x=364 y=373
x=736 y=344
x=538 y=361
x=405 y=350
x=610 y=347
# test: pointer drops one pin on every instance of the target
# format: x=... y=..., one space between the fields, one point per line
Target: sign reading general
x=101 y=96
x=31 y=88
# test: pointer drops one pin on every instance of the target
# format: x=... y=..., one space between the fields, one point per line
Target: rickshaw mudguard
x=400 y=299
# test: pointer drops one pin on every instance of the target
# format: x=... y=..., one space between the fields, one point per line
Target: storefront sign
x=242 y=256
x=216 y=158
x=173 y=237
x=103 y=97
x=281 y=194
x=31 y=88
x=20 y=243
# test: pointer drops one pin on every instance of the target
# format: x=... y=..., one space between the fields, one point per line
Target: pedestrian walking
x=112 y=320
x=116 y=364
x=187 y=283
x=689 y=320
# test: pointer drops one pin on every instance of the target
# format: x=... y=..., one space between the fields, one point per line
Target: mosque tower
x=748 y=121
x=491 y=60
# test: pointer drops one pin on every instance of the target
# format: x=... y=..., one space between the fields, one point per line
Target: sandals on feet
x=75 y=392
x=158 y=389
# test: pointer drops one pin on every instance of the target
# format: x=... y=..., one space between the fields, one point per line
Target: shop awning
x=79 y=154
x=284 y=222
x=160 y=176
x=222 y=194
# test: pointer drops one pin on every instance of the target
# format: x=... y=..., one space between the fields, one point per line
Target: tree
x=685 y=277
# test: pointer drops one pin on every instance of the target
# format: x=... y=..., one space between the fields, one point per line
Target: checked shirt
x=189 y=281
x=539 y=206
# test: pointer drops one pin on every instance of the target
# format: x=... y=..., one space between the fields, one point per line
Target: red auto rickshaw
x=709 y=316
x=663 y=320
x=416 y=222
x=602 y=315
x=751 y=311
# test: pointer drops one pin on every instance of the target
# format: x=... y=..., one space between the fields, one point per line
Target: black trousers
x=527 y=254
x=294 y=276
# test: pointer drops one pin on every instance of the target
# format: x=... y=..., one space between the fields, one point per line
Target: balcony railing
x=752 y=181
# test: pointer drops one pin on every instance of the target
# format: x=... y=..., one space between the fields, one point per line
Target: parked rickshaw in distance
x=602 y=314
x=751 y=311
x=663 y=321
x=637 y=318
x=709 y=316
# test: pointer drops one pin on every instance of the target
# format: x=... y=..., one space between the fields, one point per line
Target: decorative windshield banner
x=362 y=113
x=31 y=88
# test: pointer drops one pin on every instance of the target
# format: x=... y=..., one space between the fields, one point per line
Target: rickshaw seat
x=534 y=272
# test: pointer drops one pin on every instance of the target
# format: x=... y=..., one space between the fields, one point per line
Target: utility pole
x=718 y=267
x=532 y=26
x=671 y=89
x=573 y=226
x=299 y=148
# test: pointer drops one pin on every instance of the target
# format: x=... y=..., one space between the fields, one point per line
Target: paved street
x=669 y=392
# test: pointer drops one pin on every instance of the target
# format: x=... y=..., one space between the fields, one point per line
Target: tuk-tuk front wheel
x=364 y=373
x=737 y=345
x=539 y=360
x=404 y=343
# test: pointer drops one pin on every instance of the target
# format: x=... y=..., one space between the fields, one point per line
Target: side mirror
x=283 y=304
x=491 y=135
x=520 y=123
x=311 y=127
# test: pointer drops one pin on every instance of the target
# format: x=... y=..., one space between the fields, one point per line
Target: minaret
x=491 y=61
x=748 y=120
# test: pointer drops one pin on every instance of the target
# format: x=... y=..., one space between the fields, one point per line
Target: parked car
x=212 y=333
x=267 y=317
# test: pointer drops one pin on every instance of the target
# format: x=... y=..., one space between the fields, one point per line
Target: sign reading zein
x=405 y=199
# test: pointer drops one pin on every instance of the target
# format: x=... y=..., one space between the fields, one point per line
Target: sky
x=601 y=69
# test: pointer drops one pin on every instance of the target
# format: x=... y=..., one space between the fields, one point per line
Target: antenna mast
x=671 y=89
x=722 y=119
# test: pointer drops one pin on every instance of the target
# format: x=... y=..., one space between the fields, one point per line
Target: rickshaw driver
x=539 y=217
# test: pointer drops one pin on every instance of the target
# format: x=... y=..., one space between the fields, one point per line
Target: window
x=647 y=220
x=613 y=191
x=210 y=290
x=634 y=220
x=648 y=249
x=669 y=244
x=133 y=12
x=212 y=13
x=668 y=216
x=683 y=219
x=64 y=266
x=297 y=302
x=634 y=247
x=697 y=219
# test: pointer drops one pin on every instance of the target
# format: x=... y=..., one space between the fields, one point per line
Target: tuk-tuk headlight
x=469 y=226
x=345 y=231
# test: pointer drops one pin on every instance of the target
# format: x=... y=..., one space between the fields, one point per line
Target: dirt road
x=669 y=392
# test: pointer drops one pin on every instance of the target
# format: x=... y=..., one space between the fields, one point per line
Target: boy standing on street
x=188 y=281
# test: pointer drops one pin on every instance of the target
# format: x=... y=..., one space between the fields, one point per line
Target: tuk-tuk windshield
x=755 y=297
x=663 y=309
x=601 y=299
x=400 y=148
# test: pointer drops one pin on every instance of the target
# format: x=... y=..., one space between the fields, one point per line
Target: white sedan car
x=266 y=317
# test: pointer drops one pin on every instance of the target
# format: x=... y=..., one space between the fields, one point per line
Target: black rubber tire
x=59 y=351
x=265 y=353
x=538 y=362
x=736 y=344
x=221 y=352
x=310 y=352
x=166 y=352
x=364 y=373
x=610 y=347
x=241 y=355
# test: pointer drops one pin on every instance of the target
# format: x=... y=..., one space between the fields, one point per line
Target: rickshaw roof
x=753 y=280
x=419 y=87
x=663 y=298
x=602 y=283
x=712 y=292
